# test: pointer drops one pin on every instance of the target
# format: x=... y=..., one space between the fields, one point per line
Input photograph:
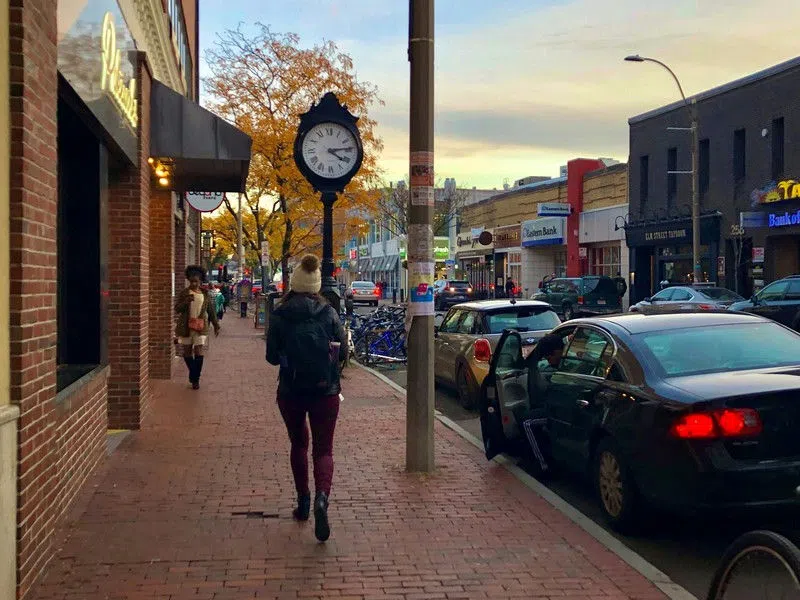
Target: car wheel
x=569 y=313
x=465 y=387
x=616 y=491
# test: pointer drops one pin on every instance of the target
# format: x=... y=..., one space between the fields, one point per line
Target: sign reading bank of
x=543 y=232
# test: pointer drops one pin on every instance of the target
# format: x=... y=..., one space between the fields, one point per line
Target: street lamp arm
x=671 y=72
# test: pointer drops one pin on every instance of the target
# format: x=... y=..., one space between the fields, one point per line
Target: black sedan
x=678 y=411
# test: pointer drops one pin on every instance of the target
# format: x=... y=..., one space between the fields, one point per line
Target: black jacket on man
x=294 y=309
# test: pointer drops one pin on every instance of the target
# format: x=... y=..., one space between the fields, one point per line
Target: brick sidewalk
x=159 y=522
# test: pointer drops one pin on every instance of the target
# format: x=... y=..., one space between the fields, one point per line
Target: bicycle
x=759 y=564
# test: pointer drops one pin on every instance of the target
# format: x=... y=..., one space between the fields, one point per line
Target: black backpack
x=309 y=368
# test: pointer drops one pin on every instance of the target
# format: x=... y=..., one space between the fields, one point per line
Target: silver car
x=684 y=297
x=468 y=335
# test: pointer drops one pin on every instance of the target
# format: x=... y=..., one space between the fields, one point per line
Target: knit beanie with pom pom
x=306 y=277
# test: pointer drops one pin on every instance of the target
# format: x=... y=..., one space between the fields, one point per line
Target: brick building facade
x=98 y=237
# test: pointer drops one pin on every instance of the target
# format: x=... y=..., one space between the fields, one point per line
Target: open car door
x=504 y=391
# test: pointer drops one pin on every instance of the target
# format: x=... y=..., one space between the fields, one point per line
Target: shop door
x=787 y=256
x=500 y=275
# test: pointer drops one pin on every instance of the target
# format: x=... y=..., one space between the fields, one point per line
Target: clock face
x=330 y=150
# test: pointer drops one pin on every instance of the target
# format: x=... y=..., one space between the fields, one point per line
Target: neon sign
x=112 y=79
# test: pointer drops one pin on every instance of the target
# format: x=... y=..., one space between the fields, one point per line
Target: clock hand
x=345 y=149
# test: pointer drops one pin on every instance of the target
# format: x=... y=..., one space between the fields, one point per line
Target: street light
x=692 y=108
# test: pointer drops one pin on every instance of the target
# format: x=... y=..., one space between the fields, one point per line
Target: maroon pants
x=322 y=413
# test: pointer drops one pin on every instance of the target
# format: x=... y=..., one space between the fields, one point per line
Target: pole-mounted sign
x=328 y=152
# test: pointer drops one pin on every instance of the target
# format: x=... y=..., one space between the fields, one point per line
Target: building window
x=704 y=164
x=180 y=43
x=672 y=177
x=560 y=264
x=644 y=179
x=739 y=154
x=605 y=260
x=778 y=147
x=81 y=287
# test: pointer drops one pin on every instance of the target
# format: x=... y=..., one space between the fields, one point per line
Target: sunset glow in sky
x=522 y=86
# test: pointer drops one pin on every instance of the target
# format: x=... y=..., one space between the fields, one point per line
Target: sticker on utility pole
x=422 y=196
x=420 y=285
x=420 y=243
x=421 y=169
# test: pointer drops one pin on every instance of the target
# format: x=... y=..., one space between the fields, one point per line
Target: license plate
x=601 y=302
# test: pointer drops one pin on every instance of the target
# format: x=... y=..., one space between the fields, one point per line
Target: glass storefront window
x=560 y=263
x=605 y=260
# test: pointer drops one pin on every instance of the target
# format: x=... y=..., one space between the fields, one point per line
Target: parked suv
x=447 y=292
x=581 y=296
x=779 y=301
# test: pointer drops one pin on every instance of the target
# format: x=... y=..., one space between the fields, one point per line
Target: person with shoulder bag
x=307 y=340
x=195 y=311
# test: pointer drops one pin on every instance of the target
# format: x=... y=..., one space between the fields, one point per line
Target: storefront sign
x=112 y=80
x=205 y=201
x=553 y=209
x=467 y=242
x=97 y=56
x=353 y=253
x=507 y=237
x=758 y=254
x=543 y=232
x=776 y=191
x=674 y=233
x=441 y=248
x=363 y=251
x=786 y=219
x=752 y=220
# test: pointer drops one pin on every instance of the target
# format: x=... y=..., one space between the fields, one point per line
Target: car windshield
x=601 y=285
x=459 y=285
x=720 y=294
x=721 y=348
x=530 y=318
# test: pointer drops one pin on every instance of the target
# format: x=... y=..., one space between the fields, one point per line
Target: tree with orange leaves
x=262 y=83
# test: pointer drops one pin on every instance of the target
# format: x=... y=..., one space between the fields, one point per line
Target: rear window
x=721 y=348
x=522 y=319
x=720 y=294
x=363 y=284
x=603 y=286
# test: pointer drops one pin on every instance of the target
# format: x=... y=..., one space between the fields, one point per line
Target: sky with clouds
x=522 y=86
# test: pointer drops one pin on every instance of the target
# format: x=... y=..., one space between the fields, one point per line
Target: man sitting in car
x=549 y=351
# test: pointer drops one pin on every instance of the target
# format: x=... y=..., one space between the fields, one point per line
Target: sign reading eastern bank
x=553 y=209
x=543 y=232
x=97 y=56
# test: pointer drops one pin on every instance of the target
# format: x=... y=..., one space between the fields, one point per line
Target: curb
x=661 y=580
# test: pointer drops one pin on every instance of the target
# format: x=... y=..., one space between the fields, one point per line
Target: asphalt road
x=686 y=549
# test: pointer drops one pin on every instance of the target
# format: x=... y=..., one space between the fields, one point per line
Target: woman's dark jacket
x=297 y=308
x=208 y=313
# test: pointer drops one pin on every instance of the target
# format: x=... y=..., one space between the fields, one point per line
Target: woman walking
x=195 y=311
x=307 y=340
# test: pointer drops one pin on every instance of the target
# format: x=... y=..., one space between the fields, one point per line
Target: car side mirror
x=754 y=299
x=648 y=300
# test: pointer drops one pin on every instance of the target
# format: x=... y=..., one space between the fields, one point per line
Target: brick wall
x=162 y=248
x=32 y=286
x=512 y=207
x=604 y=188
x=128 y=277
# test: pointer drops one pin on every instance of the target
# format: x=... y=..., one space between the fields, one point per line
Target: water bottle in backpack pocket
x=309 y=367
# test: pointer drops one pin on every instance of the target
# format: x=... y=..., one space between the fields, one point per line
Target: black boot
x=303 y=507
x=190 y=364
x=198 y=369
x=322 y=528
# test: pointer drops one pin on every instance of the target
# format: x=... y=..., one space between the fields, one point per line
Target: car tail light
x=483 y=351
x=376 y=291
x=727 y=422
x=705 y=306
x=580 y=299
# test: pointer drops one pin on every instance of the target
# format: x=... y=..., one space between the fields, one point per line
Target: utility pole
x=420 y=391
x=240 y=247
x=697 y=269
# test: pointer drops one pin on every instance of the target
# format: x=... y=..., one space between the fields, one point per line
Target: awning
x=365 y=265
x=206 y=152
x=391 y=263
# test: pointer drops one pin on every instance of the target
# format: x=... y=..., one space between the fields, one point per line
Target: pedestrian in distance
x=510 y=287
x=219 y=304
x=196 y=314
x=307 y=340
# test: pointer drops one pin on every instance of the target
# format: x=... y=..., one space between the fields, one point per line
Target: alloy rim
x=610 y=483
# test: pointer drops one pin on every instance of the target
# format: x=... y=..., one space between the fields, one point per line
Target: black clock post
x=328 y=152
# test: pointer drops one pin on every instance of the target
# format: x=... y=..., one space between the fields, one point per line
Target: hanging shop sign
x=470 y=241
x=205 y=201
x=441 y=248
x=353 y=253
x=363 y=251
x=543 y=232
x=97 y=56
x=553 y=209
